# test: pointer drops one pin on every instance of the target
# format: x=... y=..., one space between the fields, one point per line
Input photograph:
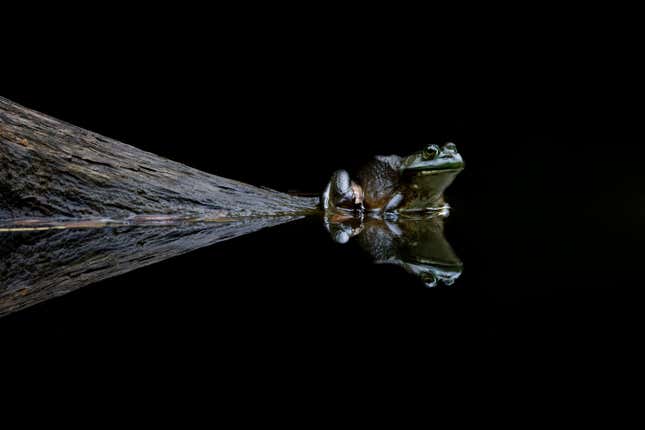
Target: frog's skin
x=415 y=183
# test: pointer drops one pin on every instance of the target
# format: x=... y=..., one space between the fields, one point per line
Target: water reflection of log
x=38 y=265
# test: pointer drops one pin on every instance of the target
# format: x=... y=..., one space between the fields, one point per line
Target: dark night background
x=547 y=216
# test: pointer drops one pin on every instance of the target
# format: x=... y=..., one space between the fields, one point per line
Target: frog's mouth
x=437 y=166
x=425 y=172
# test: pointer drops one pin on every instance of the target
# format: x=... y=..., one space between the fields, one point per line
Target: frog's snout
x=450 y=156
x=449 y=150
x=449 y=146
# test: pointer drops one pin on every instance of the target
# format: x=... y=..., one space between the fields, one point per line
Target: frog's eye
x=430 y=152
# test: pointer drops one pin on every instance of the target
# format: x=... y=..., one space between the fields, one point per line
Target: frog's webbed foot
x=342 y=193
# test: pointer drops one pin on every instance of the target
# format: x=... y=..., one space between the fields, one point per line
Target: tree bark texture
x=51 y=169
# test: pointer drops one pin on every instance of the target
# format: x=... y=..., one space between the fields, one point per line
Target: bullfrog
x=397 y=185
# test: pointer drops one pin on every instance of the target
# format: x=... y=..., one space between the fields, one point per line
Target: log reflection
x=39 y=263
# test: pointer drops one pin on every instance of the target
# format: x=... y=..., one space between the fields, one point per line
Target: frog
x=414 y=183
x=392 y=184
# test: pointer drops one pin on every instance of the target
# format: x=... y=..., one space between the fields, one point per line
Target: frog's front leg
x=394 y=202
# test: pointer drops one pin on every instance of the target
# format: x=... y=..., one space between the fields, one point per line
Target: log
x=51 y=169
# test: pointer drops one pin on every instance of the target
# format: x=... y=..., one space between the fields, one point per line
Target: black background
x=547 y=216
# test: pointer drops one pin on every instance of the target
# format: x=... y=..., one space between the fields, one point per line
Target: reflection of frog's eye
x=429 y=279
x=430 y=152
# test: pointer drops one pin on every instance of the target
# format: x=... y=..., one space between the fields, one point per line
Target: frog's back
x=380 y=179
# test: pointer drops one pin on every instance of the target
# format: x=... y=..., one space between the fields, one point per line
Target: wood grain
x=49 y=168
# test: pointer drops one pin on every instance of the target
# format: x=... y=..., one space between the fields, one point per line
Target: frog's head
x=433 y=158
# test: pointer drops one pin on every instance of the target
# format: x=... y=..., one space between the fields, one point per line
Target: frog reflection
x=416 y=245
x=394 y=185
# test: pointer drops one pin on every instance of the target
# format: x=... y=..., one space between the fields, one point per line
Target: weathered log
x=39 y=265
x=49 y=168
